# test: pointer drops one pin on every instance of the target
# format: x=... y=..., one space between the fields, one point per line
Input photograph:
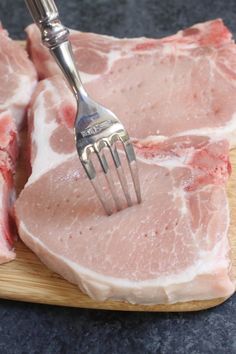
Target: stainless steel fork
x=96 y=127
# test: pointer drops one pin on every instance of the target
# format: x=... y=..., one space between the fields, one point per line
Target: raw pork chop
x=183 y=82
x=8 y=153
x=18 y=79
x=173 y=247
x=177 y=96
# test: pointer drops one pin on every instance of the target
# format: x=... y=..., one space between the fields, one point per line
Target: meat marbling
x=18 y=80
x=177 y=97
x=8 y=153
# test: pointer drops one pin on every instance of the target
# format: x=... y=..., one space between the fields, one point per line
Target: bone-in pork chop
x=185 y=82
x=18 y=80
x=8 y=154
x=174 y=246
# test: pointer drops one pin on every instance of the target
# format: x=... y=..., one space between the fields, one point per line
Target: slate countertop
x=40 y=329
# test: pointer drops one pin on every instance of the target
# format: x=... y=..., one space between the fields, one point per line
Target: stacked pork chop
x=177 y=98
x=18 y=80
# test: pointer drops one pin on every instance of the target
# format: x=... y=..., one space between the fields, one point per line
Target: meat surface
x=18 y=80
x=8 y=153
x=177 y=98
x=176 y=84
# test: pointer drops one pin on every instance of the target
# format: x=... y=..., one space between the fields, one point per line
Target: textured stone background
x=125 y=17
x=41 y=329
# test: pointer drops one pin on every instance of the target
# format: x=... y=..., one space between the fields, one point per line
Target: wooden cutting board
x=27 y=279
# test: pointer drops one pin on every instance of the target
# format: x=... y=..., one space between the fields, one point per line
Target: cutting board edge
x=26 y=287
x=178 y=307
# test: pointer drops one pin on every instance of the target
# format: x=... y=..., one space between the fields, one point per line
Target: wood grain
x=27 y=279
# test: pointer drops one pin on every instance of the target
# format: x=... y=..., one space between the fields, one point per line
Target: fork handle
x=56 y=38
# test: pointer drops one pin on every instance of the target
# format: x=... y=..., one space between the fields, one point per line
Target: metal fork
x=96 y=127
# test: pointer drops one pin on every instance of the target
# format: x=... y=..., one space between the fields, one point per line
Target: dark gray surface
x=125 y=17
x=28 y=328
x=41 y=329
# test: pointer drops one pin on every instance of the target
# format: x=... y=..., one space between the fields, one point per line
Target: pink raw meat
x=177 y=96
x=8 y=154
x=181 y=83
x=18 y=80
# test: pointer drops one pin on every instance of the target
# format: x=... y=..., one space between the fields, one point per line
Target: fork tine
x=98 y=190
x=91 y=173
x=129 y=150
x=108 y=175
x=135 y=177
x=120 y=173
